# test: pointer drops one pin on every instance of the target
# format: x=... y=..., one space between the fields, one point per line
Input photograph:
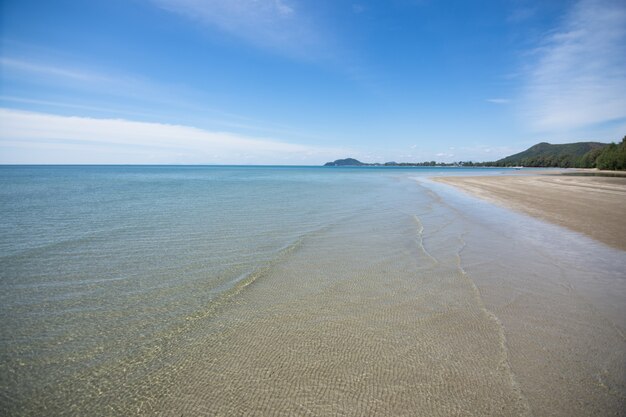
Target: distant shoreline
x=586 y=203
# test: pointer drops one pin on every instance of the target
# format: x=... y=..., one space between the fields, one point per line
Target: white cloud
x=7 y=63
x=27 y=137
x=499 y=100
x=275 y=24
x=579 y=76
x=142 y=97
x=76 y=77
x=283 y=8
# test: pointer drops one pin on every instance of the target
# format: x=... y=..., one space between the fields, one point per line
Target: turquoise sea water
x=110 y=274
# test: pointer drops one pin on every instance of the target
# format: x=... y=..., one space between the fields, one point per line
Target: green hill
x=613 y=156
x=568 y=155
x=580 y=154
x=348 y=162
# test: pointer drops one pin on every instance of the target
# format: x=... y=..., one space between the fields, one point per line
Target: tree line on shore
x=613 y=156
x=575 y=155
x=569 y=155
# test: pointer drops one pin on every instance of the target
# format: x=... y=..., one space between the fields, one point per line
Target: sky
x=303 y=82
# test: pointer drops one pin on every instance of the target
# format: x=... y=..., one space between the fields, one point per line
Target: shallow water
x=282 y=291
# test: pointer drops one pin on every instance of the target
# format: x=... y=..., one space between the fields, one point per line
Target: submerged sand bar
x=594 y=206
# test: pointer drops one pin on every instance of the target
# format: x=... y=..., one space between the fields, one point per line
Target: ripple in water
x=284 y=291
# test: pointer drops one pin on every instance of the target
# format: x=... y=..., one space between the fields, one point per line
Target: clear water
x=134 y=289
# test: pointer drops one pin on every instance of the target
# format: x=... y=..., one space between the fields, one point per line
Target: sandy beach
x=591 y=205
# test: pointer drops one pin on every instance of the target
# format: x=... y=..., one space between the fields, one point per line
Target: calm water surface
x=128 y=289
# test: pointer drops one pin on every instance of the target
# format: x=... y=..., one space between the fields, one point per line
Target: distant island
x=351 y=162
x=609 y=156
x=348 y=162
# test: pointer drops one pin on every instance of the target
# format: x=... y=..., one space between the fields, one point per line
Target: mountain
x=568 y=155
x=348 y=162
x=547 y=155
x=351 y=162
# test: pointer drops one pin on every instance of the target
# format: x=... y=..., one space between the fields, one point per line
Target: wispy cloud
x=67 y=105
x=280 y=25
x=12 y=64
x=578 y=77
x=142 y=97
x=499 y=100
x=74 y=76
x=91 y=140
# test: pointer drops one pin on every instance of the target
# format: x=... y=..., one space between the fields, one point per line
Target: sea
x=274 y=290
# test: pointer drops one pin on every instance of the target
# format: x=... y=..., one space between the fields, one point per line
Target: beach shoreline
x=592 y=205
x=298 y=290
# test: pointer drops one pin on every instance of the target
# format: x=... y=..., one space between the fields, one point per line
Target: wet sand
x=594 y=206
x=321 y=333
x=391 y=313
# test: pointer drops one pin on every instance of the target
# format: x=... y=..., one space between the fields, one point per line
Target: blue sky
x=304 y=82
